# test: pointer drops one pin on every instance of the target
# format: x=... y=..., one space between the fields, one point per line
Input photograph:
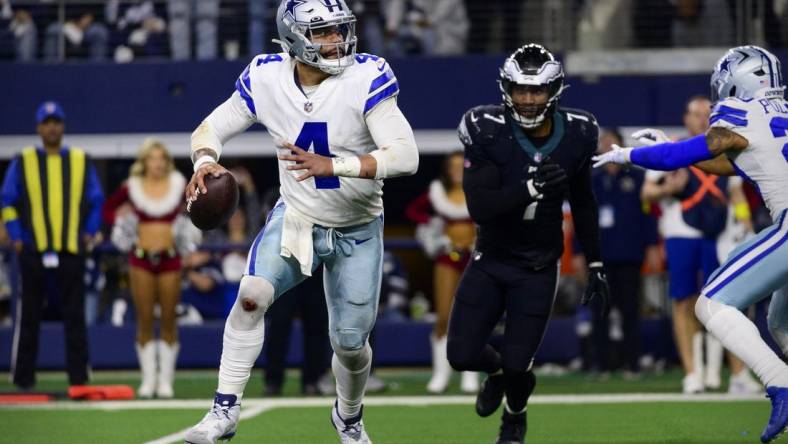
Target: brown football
x=214 y=208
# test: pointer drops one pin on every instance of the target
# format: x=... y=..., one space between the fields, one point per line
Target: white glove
x=650 y=136
x=124 y=232
x=617 y=155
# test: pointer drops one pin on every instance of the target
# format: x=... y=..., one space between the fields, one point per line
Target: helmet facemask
x=531 y=67
x=306 y=35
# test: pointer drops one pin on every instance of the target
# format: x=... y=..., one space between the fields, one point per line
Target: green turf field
x=402 y=415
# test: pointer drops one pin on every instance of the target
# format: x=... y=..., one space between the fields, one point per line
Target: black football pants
x=70 y=282
x=489 y=288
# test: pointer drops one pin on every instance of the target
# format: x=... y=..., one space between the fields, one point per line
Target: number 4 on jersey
x=315 y=134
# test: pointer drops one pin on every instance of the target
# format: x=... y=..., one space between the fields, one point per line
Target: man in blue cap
x=51 y=205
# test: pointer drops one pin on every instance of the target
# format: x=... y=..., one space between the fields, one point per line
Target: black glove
x=597 y=289
x=545 y=179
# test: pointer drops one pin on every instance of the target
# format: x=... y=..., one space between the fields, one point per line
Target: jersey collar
x=552 y=143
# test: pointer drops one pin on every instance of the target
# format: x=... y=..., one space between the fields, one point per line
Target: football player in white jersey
x=334 y=118
x=748 y=136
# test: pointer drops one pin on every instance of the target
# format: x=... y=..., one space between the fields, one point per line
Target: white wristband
x=349 y=166
x=202 y=161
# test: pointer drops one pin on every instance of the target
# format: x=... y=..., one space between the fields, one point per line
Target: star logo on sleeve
x=291 y=5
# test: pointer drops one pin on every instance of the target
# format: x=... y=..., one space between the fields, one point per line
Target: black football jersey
x=498 y=154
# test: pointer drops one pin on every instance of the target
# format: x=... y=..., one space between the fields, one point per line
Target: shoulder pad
x=480 y=125
x=582 y=121
x=730 y=110
x=379 y=80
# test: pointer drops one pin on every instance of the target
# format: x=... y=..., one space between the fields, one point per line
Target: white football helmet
x=747 y=72
x=299 y=20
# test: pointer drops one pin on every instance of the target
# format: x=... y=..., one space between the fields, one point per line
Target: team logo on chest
x=308 y=107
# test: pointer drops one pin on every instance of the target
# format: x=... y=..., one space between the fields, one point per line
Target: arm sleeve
x=11 y=192
x=95 y=198
x=226 y=121
x=485 y=196
x=419 y=210
x=672 y=155
x=111 y=205
x=585 y=213
x=397 y=153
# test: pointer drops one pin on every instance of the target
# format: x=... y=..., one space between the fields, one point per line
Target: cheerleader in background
x=145 y=213
x=447 y=234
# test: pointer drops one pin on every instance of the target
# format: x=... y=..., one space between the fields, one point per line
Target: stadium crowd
x=126 y=30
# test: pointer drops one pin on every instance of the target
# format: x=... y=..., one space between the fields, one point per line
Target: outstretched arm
x=673 y=155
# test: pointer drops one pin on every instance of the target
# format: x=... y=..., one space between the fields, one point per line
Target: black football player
x=523 y=159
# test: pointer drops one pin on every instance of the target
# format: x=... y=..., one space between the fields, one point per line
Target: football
x=214 y=208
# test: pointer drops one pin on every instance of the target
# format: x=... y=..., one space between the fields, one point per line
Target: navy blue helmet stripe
x=771 y=68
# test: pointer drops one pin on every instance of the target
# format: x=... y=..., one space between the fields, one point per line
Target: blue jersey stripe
x=389 y=91
x=733 y=261
x=747 y=266
x=245 y=95
x=728 y=118
x=724 y=109
x=382 y=80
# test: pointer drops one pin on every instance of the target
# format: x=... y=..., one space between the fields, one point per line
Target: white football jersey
x=764 y=123
x=330 y=122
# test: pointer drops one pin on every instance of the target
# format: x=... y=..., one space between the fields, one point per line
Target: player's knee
x=255 y=294
x=459 y=356
x=348 y=340
x=704 y=308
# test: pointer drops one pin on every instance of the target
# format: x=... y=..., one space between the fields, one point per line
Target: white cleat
x=469 y=382
x=219 y=424
x=743 y=383
x=692 y=383
x=351 y=430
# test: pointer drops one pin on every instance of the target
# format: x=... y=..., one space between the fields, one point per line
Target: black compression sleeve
x=485 y=197
x=585 y=213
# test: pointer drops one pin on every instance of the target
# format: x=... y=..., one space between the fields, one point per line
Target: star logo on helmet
x=724 y=66
x=291 y=5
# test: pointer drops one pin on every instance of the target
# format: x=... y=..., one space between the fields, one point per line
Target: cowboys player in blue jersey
x=747 y=136
x=522 y=159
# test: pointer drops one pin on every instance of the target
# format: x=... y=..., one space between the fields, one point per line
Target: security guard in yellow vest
x=51 y=205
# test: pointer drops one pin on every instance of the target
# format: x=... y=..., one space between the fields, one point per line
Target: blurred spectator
x=439 y=26
x=145 y=213
x=703 y=23
x=483 y=15
x=694 y=209
x=204 y=16
x=138 y=29
x=395 y=289
x=652 y=22
x=51 y=240
x=81 y=35
x=260 y=18
x=447 y=234
x=18 y=33
x=203 y=286
x=628 y=234
x=369 y=25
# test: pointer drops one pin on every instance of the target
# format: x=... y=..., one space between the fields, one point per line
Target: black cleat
x=513 y=428
x=490 y=396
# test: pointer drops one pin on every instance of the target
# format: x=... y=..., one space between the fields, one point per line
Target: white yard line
x=380 y=400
